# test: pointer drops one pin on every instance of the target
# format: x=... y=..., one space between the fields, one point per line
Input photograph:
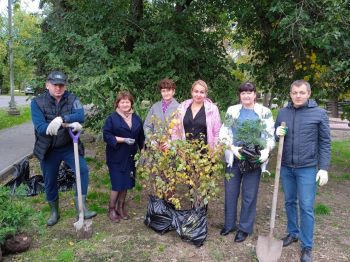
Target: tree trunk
x=333 y=106
x=136 y=15
x=266 y=99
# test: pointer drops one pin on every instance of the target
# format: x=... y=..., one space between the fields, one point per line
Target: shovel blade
x=83 y=228
x=268 y=249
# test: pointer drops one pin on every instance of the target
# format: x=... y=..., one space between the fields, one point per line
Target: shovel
x=269 y=249
x=83 y=227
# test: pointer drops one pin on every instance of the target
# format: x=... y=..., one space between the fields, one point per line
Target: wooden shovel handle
x=277 y=180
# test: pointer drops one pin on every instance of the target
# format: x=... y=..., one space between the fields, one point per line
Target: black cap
x=57 y=78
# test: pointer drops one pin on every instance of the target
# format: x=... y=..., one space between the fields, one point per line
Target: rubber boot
x=55 y=216
x=87 y=214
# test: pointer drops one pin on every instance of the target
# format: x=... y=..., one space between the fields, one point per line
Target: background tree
x=297 y=39
x=106 y=46
x=25 y=30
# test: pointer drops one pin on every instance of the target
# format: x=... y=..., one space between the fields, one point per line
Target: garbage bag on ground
x=35 y=185
x=20 y=175
x=159 y=215
x=66 y=178
x=251 y=157
x=192 y=225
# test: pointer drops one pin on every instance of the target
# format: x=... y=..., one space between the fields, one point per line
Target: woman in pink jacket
x=199 y=117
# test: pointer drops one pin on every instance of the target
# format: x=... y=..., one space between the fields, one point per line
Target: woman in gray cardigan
x=163 y=109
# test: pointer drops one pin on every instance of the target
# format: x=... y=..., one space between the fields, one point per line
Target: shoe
x=121 y=210
x=306 y=255
x=225 y=232
x=240 y=236
x=289 y=239
x=112 y=215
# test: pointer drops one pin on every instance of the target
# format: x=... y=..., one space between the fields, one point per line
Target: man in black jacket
x=305 y=161
x=53 y=143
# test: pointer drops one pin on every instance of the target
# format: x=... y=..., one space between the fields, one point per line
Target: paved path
x=15 y=143
x=339 y=124
x=19 y=100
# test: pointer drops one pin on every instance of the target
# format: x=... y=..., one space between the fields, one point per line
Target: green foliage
x=281 y=33
x=346 y=112
x=322 y=209
x=249 y=132
x=15 y=214
x=9 y=121
x=106 y=49
x=187 y=170
x=25 y=31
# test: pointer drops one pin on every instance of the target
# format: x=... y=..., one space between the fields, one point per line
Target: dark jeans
x=249 y=182
x=50 y=167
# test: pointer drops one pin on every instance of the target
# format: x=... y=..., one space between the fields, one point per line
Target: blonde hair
x=201 y=83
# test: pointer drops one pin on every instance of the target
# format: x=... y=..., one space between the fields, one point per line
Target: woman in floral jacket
x=236 y=116
x=198 y=117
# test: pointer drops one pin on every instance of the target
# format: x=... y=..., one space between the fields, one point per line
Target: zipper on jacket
x=294 y=113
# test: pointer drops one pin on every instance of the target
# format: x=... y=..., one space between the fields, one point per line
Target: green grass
x=66 y=255
x=7 y=121
x=340 y=153
x=98 y=163
x=345 y=176
x=322 y=209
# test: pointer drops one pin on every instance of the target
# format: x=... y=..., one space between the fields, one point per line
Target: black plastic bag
x=36 y=185
x=66 y=178
x=251 y=157
x=20 y=175
x=159 y=215
x=192 y=225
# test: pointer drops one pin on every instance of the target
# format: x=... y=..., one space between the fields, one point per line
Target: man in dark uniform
x=53 y=143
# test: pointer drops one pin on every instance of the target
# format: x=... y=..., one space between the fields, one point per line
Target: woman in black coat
x=123 y=134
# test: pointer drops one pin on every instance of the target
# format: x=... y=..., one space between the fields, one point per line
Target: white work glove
x=281 y=131
x=76 y=126
x=129 y=141
x=235 y=150
x=53 y=127
x=322 y=177
x=264 y=155
x=229 y=157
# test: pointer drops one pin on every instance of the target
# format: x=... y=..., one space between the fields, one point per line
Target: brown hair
x=201 y=83
x=166 y=83
x=123 y=95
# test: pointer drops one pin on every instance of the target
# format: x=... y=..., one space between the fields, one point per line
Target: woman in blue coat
x=123 y=134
